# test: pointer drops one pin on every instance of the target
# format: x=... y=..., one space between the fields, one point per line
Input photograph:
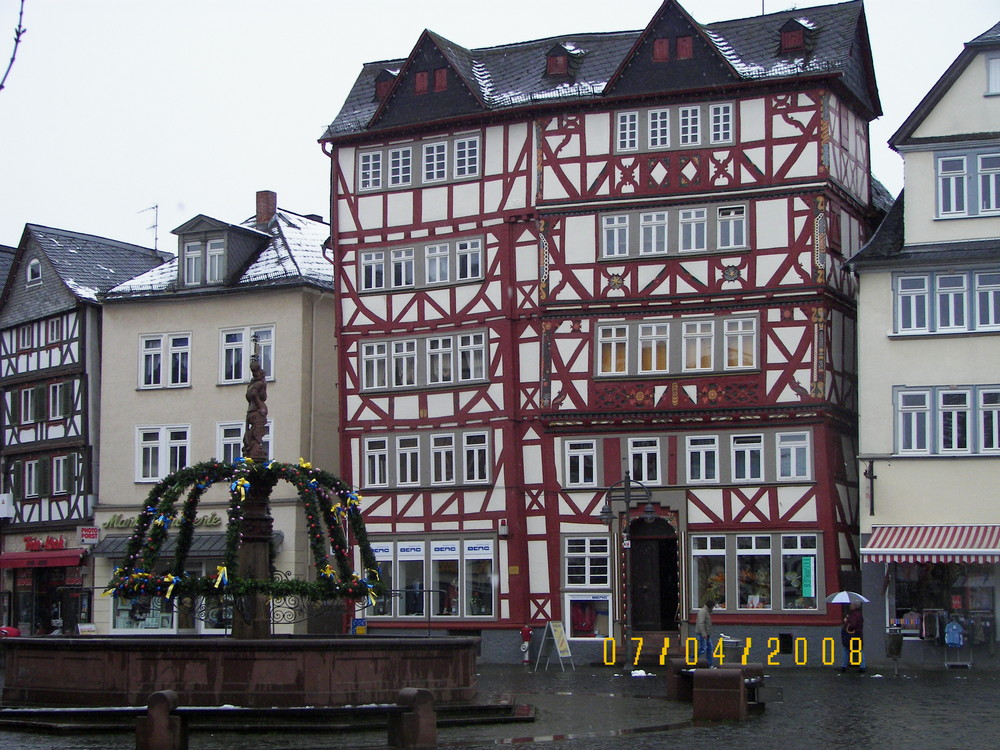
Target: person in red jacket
x=853 y=628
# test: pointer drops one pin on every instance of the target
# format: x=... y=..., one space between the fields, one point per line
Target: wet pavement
x=595 y=708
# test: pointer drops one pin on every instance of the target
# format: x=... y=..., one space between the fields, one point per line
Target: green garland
x=327 y=502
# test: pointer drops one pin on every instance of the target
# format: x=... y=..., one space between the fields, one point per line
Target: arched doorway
x=653 y=576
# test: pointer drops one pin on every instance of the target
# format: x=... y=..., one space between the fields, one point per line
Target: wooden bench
x=727 y=693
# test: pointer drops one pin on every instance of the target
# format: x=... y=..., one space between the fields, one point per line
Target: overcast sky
x=114 y=106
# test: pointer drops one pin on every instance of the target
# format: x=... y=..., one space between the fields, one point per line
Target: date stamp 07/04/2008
x=802 y=655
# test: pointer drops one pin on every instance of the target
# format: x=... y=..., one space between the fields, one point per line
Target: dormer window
x=215 y=262
x=557 y=65
x=793 y=37
x=421 y=82
x=204 y=262
x=685 y=47
x=661 y=50
x=193 y=261
x=383 y=82
x=34 y=272
x=440 y=79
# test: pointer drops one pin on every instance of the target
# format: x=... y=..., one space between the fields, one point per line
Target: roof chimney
x=267 y=205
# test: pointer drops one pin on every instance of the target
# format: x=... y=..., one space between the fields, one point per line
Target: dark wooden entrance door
x=654 y=579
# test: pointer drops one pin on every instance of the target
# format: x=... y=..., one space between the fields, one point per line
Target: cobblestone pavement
x=594 y=708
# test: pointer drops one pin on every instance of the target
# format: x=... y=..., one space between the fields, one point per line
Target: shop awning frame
x=203 y=546
x=62 y=558
x=945 y=543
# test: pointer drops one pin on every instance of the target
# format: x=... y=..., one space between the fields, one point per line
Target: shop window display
x=753 y=555
x=926 y=595
x=709 y=554
x=589 y=615
x=798 y=569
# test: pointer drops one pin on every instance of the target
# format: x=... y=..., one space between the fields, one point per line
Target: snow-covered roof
x=293 y=256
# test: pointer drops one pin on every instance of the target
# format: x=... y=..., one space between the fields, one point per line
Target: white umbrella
x=846 y=597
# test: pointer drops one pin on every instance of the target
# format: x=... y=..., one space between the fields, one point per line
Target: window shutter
x=661 y=49
x=14 y=397
x=71 y=460
x=67 y=399
x=39 y=400
x=44 y=473
x=17 y=476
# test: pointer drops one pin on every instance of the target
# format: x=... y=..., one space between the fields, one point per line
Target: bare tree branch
x=18 y=35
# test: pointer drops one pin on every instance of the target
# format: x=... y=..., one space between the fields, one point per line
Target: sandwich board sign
x=554 y=637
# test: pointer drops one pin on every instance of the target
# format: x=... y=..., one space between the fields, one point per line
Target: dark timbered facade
x=597 y=268
x=50 y=342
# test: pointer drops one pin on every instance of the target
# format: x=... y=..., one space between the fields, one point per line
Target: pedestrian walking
x=852 y=637
x=703 y=629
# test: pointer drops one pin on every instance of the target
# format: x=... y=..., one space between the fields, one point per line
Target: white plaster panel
x=712 y=499
x=518 y=134
x=517 y=197
x=406 y=407
x=757 y=157
x=403 y=527
x=493 y=151
x=535 y=525
x=751 y=120
x=788 y=497
x=598 y=129
x=466 y=199
x=772 y=223
x=440 y=405
x=593 y=172
x=538 y=566
x=579 y=245
x=532 y=463
x=530 y=364
x=807 y=163
x=698 y=269
x=370 y=212
x=526 y=263
x=492 y=194
x=565 y=148
x=400 y=209
x=553 y=189
x=434 y=204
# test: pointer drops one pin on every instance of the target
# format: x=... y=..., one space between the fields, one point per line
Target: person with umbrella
x=853 y=628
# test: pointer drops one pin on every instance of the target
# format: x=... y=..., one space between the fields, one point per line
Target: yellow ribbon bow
x=223 y=576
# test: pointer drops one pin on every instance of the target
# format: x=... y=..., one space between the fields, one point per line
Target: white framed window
x=989 y=183
x=654 y=347
x=644 y=458
x=690 y=126
x=692 y=226
x=628 y=131
x=440 y=360
x=28 y=406
x=911 y=303
x=954 y=421
x=215 y=262
x=59 y=404
x=472 y=356
x=732 y=227
x=951 y=186
x=435 y=162
x=475 y=447
x=989 y=420
x=581 y=463
x=914 y=418
x=741 y=343
x=753 y=561
x=793 y=455
x=436 y=264
x=588 y=561
x=652 y=233
x=402 y=267
x=467 y=157
x=698 y=336
x=32 y=479
x=229 y=440
x=61 y=477
x=798 y=571
x=370 y=170
x=747 y=458
x=33 y=274
x=587 y=614
x=372 y=270
x=404 y=362
x=615 y=236
x=374 y=365
x=951 y=295
x=161 y=450
x=721 y=123
x=992 y=74
x=25 y=336
x=408 y=460
x=193 y=262
x=55 y=330
x=987 y=287
x=151 y=375
x=238 y=346
x=612 y=345
x=702 y=459
x=400 y=167
x=376 y=462
x=442 y=459
x=708 y=570
x=659 y=128
x=469 y=254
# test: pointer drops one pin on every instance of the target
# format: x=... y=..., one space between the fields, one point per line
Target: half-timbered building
x=50 y=370
x=606 y=270
x=175 y=395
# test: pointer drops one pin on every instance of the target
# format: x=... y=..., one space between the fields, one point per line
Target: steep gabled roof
x=292 y=257
x=6 y=261
x=513 y=76
x=86 y=264
x=989 y=39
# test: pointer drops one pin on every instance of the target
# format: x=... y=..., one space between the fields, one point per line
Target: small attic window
x=557 y=61
x=34 y=273
x=421 y=82
x=685 y=47
x=440 y=79
x=793 y=36
x=661 y=50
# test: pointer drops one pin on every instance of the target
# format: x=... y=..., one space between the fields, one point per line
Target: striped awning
x=966 y=543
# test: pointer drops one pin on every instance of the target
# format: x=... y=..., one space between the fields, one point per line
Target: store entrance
x=654 y=577
x=50 y=601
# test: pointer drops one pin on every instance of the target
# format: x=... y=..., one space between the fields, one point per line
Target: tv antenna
x=156 y=224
